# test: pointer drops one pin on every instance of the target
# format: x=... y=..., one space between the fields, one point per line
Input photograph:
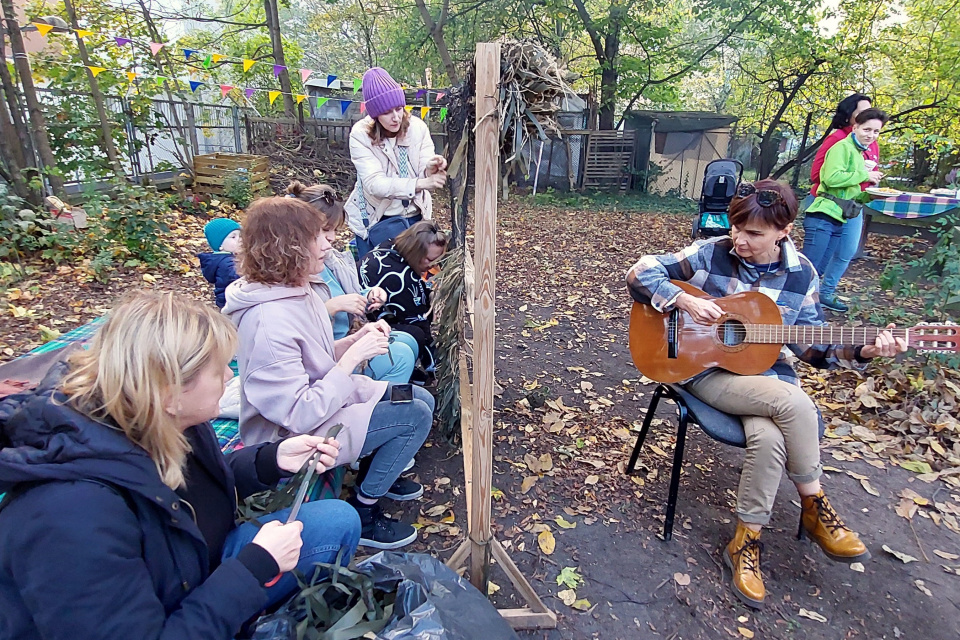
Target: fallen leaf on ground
x=546 y=462
x=746 y=633
x=492 y=587
x=528 y=483
x=682 y=579
x=582 y=604
x=547 y=542
x=869 y=488
x=813 y=615
x=923 y=587
x=857 y=566
x=945 y=555
x=569 y=577
x=564 y=524
x=916 y=466
x=591 y=480
x=899 y=555
x=567 y=596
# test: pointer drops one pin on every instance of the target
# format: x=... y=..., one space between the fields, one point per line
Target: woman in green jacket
x=840 y=177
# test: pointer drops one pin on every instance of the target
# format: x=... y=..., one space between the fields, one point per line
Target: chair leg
x=675 y=472
x=651 y=410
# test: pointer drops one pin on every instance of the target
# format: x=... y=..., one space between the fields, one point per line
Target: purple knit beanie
x=381 y=92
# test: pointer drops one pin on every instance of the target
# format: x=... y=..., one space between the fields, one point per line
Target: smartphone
x=401 y=393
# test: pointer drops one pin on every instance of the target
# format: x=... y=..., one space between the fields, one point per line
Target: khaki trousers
x=782 y=428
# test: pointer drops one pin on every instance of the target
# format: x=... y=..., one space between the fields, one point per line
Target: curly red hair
x=276 y=236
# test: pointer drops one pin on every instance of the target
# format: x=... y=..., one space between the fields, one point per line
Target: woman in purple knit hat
x=397 y=165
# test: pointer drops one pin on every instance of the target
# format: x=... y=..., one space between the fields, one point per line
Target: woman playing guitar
x=780 y=421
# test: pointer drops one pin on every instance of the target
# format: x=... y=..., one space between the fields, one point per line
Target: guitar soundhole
x=731 y=333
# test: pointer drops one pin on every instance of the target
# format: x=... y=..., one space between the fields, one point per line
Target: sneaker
x=355 y=465
x=379 y=531
x=833 y=304
x=404 y=489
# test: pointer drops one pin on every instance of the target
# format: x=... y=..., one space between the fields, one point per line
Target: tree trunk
x=273 y=26
x=106 y=130
x=608 y=97
x=436 y=32
x=15 y=144
x=803 y=144
x=38 y=124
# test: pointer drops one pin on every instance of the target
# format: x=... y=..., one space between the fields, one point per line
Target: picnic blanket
x=228 y=431
x=913 y=205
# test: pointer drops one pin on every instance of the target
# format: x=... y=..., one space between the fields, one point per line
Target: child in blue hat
x=223 y=235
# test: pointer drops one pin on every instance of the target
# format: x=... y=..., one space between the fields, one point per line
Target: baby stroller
x=720 y=180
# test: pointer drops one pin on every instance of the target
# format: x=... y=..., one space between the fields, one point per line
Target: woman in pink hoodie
x=295 y=378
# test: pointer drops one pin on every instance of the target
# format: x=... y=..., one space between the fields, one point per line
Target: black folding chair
x=720 y=426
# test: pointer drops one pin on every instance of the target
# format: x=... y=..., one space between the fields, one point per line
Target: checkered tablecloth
x=914 y=205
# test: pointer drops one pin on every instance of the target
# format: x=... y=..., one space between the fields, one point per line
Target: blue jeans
x=821 y=236
x=328 y=527
x=846 y=249
x=395 y=434
x=403 y=351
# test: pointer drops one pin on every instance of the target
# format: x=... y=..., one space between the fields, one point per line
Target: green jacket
x=842 y=172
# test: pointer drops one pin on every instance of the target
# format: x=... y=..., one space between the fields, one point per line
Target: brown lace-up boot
x=742 y=555
x=820 y=523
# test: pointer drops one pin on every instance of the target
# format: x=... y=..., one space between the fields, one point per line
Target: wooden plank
x=485 y=232
x=466 y=427
x=521 y=619
x=523 y=587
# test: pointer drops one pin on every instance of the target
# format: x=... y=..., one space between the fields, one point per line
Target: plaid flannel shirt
x=713 y=266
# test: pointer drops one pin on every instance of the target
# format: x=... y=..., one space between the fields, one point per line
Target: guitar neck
x=815 y=334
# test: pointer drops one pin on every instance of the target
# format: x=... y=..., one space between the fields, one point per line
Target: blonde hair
x=151 y=347
x=322 y=197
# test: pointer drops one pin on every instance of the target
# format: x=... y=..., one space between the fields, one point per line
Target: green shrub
x=236 y=189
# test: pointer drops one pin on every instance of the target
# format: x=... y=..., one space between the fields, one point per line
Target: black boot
x=379 y=531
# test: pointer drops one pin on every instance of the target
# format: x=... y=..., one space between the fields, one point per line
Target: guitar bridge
x=673 y=334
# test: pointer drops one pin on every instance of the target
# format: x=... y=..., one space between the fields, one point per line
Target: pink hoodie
x=289 y=381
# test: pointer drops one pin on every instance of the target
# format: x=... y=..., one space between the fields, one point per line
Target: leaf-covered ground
x=582 y=531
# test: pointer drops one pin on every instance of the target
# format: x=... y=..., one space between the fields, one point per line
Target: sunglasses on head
x=765 y=197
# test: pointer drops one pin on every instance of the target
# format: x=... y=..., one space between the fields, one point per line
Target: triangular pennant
x=409 y=108
x=278 y=69
x=194 y=85
x=273 y=95
x=161 y=80
x=188 y=52
x=423 y=112
x=96 y=70
x=155 y=48
x=363 y=107
x=224 y=90
x=344 y=105
x=330 y=80
x=420 y=93
x=321 y=101
x=247 y=63
x=304 y=74
x=300 y=98
x=207 y=61
x=44 y=29
x=357 y=83
x=249 y=93
x=83 y=33
x=443 y=114
x=131 y=76
x=121 y=42
x=440 y=94
x=218 y=57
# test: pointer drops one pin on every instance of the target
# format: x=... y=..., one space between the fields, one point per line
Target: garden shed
x=674 y=147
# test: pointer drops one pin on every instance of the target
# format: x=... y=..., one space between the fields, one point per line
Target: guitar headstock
x=934 y=337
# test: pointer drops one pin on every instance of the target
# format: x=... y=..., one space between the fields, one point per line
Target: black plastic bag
x=433 y=602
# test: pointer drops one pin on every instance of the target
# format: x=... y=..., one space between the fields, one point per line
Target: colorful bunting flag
x=247 y=63
x=160 y=80
x=363 y=107
x=207 y=61
x=188 y=52
x=194 y=85
x=420 y=93
x=121 y=42
x=155 y=48
x=443 y=114
x=249 y=93
x=344 y=105
x=440 y=94
x=423 y=112
x=273 y=95
x=224 y=90
x=217 y=58
x=330 y=80
x=357 y=83
x=321 y=101
x=96 y=70
x=300 y=98
x=83 y=33
x=409 y=108
x=304 y=74
x=131 y=76
x=278 y=69
x=44 y=29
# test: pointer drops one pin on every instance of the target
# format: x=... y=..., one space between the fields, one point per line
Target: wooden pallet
x=212 y=171
x=608 y=159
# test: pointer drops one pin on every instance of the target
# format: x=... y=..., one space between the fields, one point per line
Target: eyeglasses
x=765 y=197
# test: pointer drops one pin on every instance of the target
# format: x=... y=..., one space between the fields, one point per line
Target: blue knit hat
x=381 y=92
x=217 y=231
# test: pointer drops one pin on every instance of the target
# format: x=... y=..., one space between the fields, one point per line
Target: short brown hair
x=277 y=234
x=378 y=133
x=414 y=242
x=324 y=198
x=780 y=214
x=872 y=114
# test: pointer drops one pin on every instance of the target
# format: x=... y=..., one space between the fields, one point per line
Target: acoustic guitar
x=670 y=347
